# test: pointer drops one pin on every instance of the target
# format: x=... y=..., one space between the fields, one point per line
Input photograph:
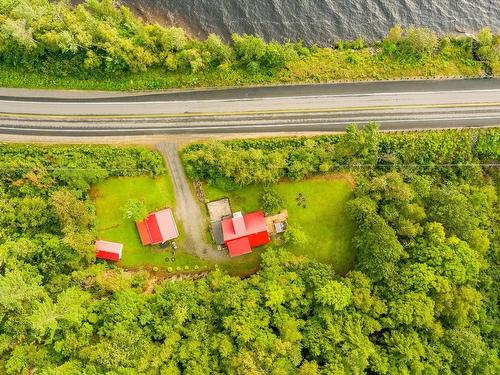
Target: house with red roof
x=241 y=232
x=157 y=228
x=108 y=250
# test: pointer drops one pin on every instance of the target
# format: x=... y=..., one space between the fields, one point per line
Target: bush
x=420 y=41
x=270 y=200
x=218 y=52
x=189 y=59
x=248 y=48
x=135 y=210
x=488 y=50
x=295 y=235
x=75 y=167
x=413 y=42
x=356 y=44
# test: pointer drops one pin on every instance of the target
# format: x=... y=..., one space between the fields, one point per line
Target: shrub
x=485 y=37
x=135 y=210
x=420 y=41
x=98 y=38
x=189 y=59
x=356 y=44
x=488 y=50
x=219 y=53
x=248 y=48
x=295 y=235
x=270 y=200
x=274 y=57
x=414 y=42
x=232 y=164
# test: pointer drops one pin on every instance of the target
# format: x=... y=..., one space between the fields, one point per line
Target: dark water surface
x=319 y=21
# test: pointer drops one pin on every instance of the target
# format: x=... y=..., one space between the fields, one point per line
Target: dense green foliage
x=135 y=210
x=423 y=298
x=270 y=200
x=43 y=193
x=251 y=161
x=83 y=46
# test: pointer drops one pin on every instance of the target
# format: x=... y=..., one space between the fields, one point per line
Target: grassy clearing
x=328 y=229
x=111 y=195
x=323 y=220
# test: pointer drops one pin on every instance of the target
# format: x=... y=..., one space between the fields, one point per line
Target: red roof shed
x=108 y=250
x=157 y=228
x=243 y=232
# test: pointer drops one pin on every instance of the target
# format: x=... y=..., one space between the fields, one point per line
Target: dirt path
x=187 y=210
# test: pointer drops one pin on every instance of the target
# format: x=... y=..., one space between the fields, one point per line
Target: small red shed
x=108 y=250
x=158 y=227
x=243 y=232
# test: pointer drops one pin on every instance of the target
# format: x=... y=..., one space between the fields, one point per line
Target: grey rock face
x=319 y=21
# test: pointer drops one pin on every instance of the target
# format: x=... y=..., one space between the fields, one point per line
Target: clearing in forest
x=317 y=206
x=112 y=195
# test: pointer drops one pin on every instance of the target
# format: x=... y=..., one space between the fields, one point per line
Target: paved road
x=187 y=210
x=395 y=105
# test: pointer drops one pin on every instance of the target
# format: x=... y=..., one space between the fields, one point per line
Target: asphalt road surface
x=399 y=105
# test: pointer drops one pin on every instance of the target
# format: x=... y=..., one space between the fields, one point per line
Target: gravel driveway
x=187 y=210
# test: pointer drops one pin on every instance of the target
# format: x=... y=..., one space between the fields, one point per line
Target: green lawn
x=111 y=195
x=329 y=231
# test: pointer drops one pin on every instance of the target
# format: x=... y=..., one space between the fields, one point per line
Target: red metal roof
x=108 y=255
x=108 y=250
x=142 y=228
x=254 y=223
x=166 y=222
x=154 y=229
x=157 y=228
x=239 y=247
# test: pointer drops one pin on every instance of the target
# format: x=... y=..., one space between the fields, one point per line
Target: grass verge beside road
x=322 y=67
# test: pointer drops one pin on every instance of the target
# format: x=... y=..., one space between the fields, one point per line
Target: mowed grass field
x=111 y=196
x=323 y=219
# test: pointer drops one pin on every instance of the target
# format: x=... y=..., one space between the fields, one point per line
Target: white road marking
x=252 y=99
x=137 y=129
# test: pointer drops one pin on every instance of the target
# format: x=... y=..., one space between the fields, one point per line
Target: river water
x=319 y=21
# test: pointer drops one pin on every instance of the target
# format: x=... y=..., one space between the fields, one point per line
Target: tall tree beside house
x=270 y=200
x=135 y=209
